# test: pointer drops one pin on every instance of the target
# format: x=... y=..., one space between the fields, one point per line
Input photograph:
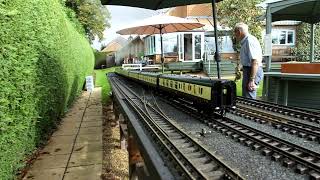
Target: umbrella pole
x=161 y=57
x=216 y=54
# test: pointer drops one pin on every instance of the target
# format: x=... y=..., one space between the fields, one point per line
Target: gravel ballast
x=312 y=145
x=251 y=164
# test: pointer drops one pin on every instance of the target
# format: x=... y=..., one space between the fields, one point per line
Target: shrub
x=43 y=62
x=302 y=49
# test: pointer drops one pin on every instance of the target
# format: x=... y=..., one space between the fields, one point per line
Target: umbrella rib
x=145 y=29
x=154 y=28
x=210 y=22
x=199 y=22
x=187 y=27
x=175 y=27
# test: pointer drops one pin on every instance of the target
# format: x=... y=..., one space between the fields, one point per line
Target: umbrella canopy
x=154 y=4
x=163 y=23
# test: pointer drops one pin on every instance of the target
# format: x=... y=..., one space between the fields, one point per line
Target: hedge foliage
x=302 y=49
x=43 y=62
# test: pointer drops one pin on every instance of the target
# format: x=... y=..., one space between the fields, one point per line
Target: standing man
x=251 y=60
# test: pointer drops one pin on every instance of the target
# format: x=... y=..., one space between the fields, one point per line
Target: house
x=194 y=49
x=107 y=56
x=283 y=40
x=203 y=14
x=131 y=52
x=283 y=36
x=115 y=45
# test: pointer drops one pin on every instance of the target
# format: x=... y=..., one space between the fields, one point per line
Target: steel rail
x=151 y=123
x=291 y=154
x=301 y=129
x=291 y=111
x=130 y=101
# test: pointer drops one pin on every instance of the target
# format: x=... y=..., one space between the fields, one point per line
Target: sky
x=120 y=17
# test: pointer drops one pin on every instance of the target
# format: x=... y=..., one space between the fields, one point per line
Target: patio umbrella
x=160 y=4
x=160 y=24
x=155 y=4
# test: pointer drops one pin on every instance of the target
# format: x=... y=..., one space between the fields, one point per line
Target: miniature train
x=206 y=94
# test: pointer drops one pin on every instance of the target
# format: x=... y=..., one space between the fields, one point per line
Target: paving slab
x=89 y=137
x=93 y=118
x=75 y=146
x=77 y=117
x=92 y=146
x=62 y=139
x=55 y=149
x=92 y=172
x=65 y=126
x=93 y=113
x=70 y=123
x=47 y=174
x=65 y=132
x=91 y=124
x=46 y=161
x=85 y=158
x=91 y=130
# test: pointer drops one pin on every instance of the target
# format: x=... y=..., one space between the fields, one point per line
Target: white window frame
x=194 y=47
x=181 y=46
x=278 y=31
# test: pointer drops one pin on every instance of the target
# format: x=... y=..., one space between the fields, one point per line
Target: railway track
x=189 y=158
x=288 y=111
x=302 y=160
x=285 y=124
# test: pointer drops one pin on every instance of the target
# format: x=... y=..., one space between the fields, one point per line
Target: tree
x=92 y=15
x=231 y=12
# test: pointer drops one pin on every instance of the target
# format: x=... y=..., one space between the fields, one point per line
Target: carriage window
x=171 y=84
x=224 y=91
x=189 y=87
x=176 y=85
x=200 y=90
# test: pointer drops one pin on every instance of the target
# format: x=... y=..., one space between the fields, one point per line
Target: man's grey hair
x=242 y=27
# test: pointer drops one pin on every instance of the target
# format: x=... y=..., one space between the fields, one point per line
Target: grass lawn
x=239 y=88
x=102 y=81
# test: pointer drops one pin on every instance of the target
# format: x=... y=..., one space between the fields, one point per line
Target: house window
x=197 y=46
x=283 y=37
x=170 y=44
x=150 y=45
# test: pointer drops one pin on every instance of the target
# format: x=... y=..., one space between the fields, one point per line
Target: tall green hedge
x=43 y=62
x=302 y=49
